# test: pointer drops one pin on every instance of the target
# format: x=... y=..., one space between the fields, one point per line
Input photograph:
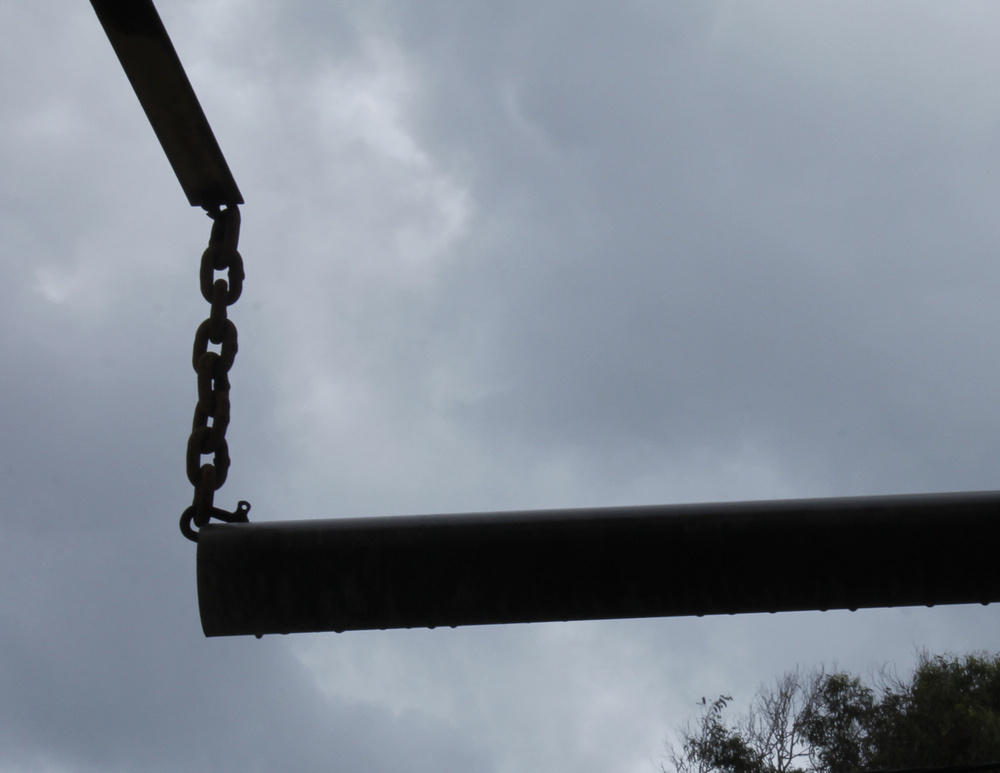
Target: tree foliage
x=946 y=713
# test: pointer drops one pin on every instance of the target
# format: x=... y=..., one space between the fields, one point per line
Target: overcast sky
x=499 y=255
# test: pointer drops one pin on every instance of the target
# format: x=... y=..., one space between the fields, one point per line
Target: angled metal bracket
x=158 y=78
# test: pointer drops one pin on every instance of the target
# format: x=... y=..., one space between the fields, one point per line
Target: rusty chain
x=213 y=368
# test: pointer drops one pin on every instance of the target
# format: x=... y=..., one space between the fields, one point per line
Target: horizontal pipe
x=152 y=66
x=623 y=562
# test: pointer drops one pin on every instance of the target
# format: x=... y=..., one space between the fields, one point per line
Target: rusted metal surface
x=158 y=78
x=213 y=375
x=473 y=569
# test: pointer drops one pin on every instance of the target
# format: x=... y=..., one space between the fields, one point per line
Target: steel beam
x=703 y=559
x=158 y=78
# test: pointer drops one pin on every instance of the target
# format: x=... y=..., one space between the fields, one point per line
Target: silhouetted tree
x=947 y=713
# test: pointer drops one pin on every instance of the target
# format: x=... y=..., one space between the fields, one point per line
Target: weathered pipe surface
x=704 y=559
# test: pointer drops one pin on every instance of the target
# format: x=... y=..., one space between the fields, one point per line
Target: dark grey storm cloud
x=499 y=255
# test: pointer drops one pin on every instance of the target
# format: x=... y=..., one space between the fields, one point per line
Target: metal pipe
x=624 y=562
x=153 y=68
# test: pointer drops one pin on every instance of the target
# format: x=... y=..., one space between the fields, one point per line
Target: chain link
x=213 y=369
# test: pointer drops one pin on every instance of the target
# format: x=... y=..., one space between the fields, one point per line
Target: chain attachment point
x=240 y=515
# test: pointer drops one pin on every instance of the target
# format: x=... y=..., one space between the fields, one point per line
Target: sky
x=499 y=256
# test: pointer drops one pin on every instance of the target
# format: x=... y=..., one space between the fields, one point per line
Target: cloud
x=499 y=256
